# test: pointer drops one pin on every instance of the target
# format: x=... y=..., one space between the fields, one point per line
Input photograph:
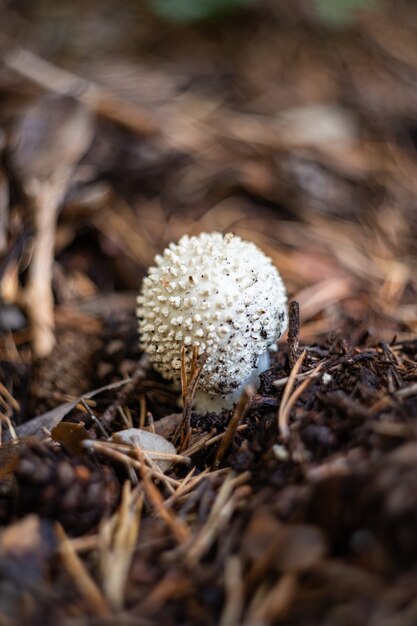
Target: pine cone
x=57 y=485
x=68 y=371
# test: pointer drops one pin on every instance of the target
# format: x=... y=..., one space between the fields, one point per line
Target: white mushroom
x=219 y=293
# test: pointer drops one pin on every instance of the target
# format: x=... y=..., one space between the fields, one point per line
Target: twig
x=207 y=440
x=188 y=388
x=293 y=332
x=286 y=408
x=151 y=463
x=104 y=448
x=81 y=577
x=6 y=394
x=118 y=538
x=198 y=445
x=220 y=514
x=282 y=413
x=4 y=205
x=142 y=411
x=8 y=422
x=237 y=417
x=178 y=527
x=123 y=447
x=281 y=382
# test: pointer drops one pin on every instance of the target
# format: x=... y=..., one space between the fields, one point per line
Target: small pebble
x=148 y=441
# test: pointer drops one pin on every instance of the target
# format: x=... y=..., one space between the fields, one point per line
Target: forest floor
x=302 y=510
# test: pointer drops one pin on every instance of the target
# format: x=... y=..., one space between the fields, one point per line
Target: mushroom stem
x=39 y=296
x=204 y=402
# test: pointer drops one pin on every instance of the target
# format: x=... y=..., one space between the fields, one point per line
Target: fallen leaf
x=70 y=433
x=35 y=427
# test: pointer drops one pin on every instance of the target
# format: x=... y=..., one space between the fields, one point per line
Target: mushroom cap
x=219 y=293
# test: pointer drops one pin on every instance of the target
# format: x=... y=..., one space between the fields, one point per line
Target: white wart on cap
x=219 y=293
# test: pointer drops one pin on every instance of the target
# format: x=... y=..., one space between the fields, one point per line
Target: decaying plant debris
x=299 y=507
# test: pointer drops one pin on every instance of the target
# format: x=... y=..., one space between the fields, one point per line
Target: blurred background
x=291 y=124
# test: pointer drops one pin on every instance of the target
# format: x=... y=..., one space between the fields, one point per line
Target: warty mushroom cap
x=219 y=293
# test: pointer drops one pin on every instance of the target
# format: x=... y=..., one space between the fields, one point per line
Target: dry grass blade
x=152 y=465
x=281 y=382
x=6 y=419
x=124 y=457
x=118 y=538
x=207 y=440
x=79 y=574
x=184 y=377
x=178 y=527
x=187 y=486
x=220 y=514
x=237 y=417
x=8 y=397
x=122 y=447
x=198 y=445
x=282 y=413
x=188 y=389
x=297 y=393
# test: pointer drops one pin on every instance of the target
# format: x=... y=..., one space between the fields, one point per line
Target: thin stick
x=118 y=539
x=6 y=393
x=198 y=445
x=124 y=447
x=142 y=411
x=220 y=514
x=178 y=527
x=127 y=460
x=188 y=389
x=7 y=420
x=286 y=410
x=282 y=414
x=293 y=332
x=237 y=417
x=81 y=577
x=281 y=382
